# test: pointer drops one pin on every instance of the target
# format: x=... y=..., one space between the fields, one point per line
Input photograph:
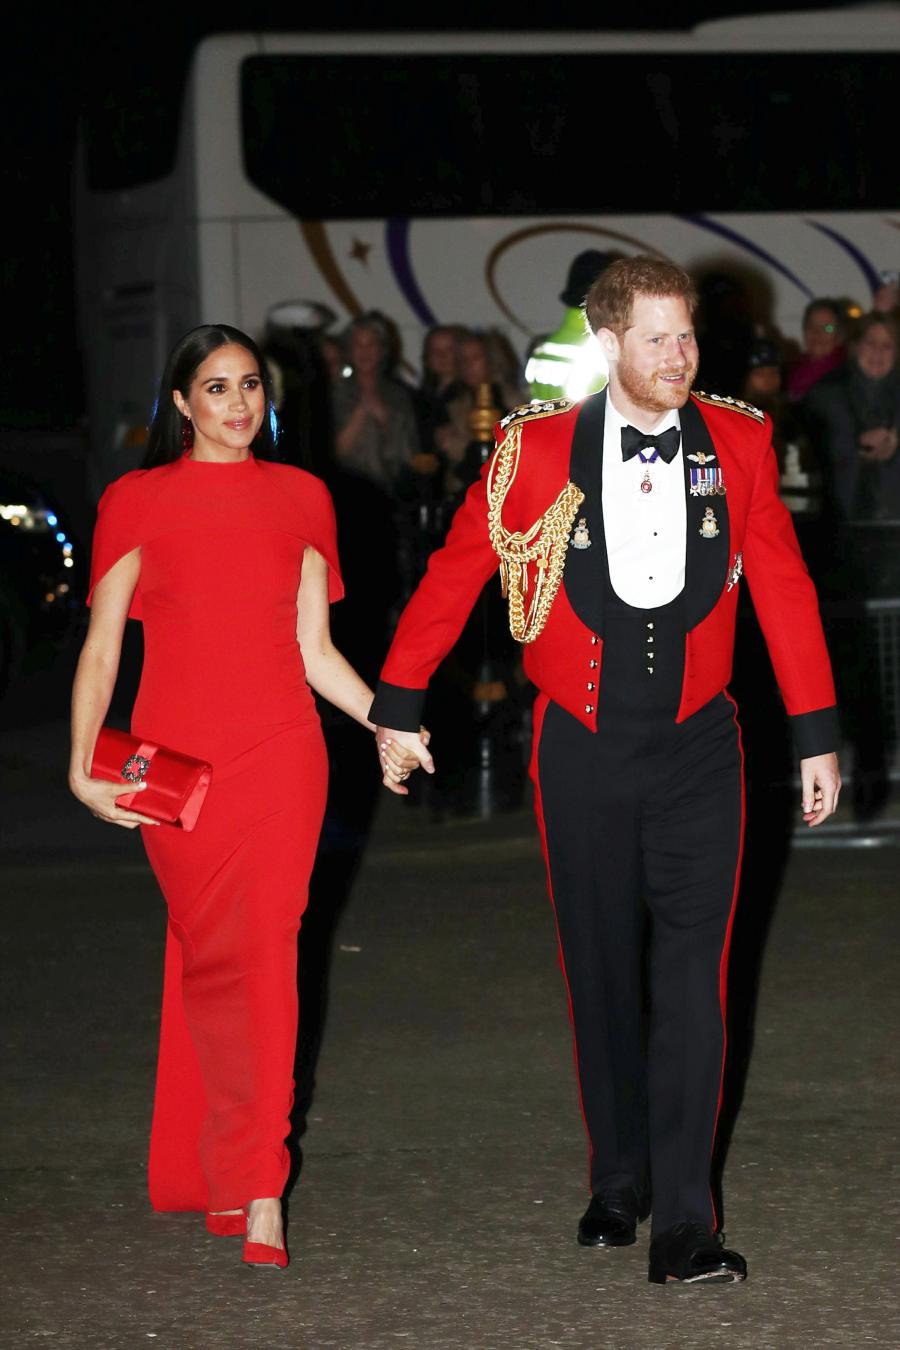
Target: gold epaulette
x=545 y=543
x=540 y=408
x=735 y=404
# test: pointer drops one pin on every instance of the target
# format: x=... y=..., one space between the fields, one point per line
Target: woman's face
x=441 y=358
x=226 y=401
x=366 y=351
x=821 y=333
x=876 y=353
x=473 y=363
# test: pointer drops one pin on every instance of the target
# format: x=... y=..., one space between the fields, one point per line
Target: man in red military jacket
x=623 y=527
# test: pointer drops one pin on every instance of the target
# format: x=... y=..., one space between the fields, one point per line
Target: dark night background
x=58 y=65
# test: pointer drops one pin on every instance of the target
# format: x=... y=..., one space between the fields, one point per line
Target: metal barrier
x=883 y=618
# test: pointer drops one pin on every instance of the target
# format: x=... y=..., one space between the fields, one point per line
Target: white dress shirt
x=646 y=532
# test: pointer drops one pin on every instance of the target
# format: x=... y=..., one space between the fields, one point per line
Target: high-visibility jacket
x=568 y=363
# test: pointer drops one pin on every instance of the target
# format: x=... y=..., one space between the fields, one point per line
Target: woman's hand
x=402 y=752
x=100 y=799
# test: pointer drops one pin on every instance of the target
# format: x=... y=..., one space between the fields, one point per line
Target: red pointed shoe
x=262 y=1255
x=227 y=1225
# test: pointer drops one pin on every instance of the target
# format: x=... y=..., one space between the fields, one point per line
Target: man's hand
x=400 y=753
x=820 y=782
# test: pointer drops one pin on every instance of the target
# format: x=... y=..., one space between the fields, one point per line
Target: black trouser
x=645 y=811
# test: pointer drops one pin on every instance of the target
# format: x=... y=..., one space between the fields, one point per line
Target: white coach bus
x=453 y=177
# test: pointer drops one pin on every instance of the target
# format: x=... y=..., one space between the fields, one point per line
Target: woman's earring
x=187 y=432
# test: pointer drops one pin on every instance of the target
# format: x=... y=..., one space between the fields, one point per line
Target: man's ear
x=609 y=344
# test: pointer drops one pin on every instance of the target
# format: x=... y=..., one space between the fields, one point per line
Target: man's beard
x=649 y=391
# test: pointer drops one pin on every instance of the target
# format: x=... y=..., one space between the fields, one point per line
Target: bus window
x=332 y=136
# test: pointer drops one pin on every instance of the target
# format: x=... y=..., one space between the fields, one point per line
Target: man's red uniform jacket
x=755 y=537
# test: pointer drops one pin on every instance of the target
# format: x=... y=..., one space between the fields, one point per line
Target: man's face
x=875 y=352
x=656 y=359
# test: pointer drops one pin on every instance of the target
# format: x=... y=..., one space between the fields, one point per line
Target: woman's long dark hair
x=166 y=439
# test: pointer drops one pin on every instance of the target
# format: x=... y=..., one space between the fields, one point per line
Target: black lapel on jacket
x=585 y=574
x=706 y=559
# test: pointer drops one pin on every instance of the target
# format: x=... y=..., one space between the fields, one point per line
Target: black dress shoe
x=690 y=1253
x=610 y=1220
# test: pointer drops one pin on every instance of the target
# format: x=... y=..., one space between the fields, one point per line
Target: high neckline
x=230 y=464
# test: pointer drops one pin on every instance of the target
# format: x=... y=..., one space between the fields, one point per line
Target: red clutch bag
x=176 y=784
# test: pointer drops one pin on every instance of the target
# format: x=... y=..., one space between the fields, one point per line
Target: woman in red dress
x=230 y=560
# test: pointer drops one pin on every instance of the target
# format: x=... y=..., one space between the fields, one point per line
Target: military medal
x=647 y=460
x=581 y=538
x=709 y=526
x=706 y=481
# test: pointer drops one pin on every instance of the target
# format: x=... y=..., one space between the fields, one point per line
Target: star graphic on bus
x=360 y=252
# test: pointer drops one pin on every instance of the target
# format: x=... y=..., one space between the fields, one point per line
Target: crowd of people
x=834 y=397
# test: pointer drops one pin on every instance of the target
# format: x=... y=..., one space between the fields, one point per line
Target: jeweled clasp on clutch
x=135 y=769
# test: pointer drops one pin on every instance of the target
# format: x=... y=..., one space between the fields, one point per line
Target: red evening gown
x=223 y=679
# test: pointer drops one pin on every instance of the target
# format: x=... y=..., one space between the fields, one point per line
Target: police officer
x=568 y=363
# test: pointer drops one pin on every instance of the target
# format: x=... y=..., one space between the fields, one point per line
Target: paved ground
x=443 y=1159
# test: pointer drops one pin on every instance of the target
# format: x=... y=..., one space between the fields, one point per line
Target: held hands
x=820 y=782
x=100 y=799
x=400 y=753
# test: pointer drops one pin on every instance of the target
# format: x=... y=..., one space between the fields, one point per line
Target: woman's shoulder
x=298 y=484
x=135 y=487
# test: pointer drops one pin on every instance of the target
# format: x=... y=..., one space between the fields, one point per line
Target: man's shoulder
x=727 y=404
x=536 y=411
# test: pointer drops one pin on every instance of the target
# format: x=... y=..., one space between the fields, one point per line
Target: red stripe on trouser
x=726 y=947
x=540 y=707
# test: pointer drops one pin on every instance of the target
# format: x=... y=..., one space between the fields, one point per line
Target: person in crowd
x=231 y=561
x=852 y=419
x=855 y=417
x=886 y=299
x=476 y=370
x=824 y=335
x=440 y=382
x=375 y=428
x=565 y=363
x=762 y=383
x=622 y=526
x=763 y=386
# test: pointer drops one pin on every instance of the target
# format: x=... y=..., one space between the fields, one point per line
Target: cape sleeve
x=321 y=534
x=116 y=533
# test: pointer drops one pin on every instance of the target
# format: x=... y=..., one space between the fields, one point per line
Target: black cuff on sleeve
x=816 y=733
x=394 y=706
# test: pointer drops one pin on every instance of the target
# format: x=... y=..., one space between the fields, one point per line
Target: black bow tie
x=665 y=444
